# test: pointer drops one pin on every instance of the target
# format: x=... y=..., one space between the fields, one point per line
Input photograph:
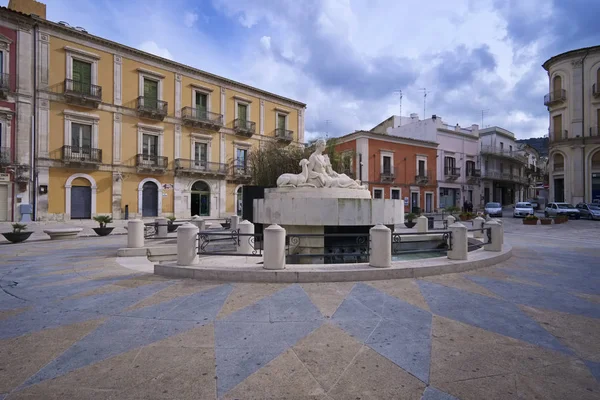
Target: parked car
x=554 y=209
x=493 y=209
x=589 y=211
x=522 y=210
x=534 y=203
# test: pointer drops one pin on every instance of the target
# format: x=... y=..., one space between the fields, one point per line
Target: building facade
x=573 y=104
x=393 y=167
x=457 y=163
x=119 y=129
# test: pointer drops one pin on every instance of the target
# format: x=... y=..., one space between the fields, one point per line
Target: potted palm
x=17 y=235
x=103 y=220
x=530 y=220
x=171 y=227
x=409 y=220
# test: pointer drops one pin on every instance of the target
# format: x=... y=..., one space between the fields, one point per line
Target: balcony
x=82 y=94
x=596 y=91
x=387 y=177
x=451 y=173
x=152 y=108
x=240 y=172
x=5 y=158
x=473 y=176
x=284 y=135
x=201 y=118
x=555 y=97
x=243 y=127
x=4 y=85
x=81 y=155
x=151 y=163
x=423 y=178
x=505 y=176
x=503 y=153
x=196 y=167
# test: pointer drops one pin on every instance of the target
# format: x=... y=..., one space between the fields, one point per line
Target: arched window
x=559 y=162
x=200 y=186
x=596 y=160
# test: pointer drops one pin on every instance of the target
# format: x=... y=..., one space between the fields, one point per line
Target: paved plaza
x=75 y=324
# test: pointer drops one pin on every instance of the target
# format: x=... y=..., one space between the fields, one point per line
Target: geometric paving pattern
x=75 y=325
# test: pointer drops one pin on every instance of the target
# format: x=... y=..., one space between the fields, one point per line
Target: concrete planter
x=546 y=221
x=561 y=220
x=17 y=237
x=530 y=222
x=409 y=224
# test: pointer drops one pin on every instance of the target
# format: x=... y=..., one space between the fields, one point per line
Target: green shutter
x=150 y=93
x=281 y=122
x=201 y=102
x=242 y=112
x=82 y=76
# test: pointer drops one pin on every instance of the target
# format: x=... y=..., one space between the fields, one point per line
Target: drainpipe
x=583 y=120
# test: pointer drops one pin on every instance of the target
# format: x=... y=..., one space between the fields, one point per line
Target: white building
x=573 y=104
x=458 y=159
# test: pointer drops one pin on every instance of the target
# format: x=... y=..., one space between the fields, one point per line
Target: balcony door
x=387 y=165
x=150 y=149
x=449 y=165
x=421 y=167
x=150 y=94
x=242 y=110
x=557 y=85
x=557 y=127
x=281 y=124
x=200 y=155
x=201 y=106
x=82 y=77
x=241 y=159
x=81 y=139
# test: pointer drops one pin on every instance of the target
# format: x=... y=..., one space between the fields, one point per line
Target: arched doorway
x=596 y=176
x=559 y=181
x=81 y=199
x=200 y=199
x=149 y=199
x=238 y=201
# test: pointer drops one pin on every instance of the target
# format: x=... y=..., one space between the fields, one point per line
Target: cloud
x=265 y=41
x=190 y=18
x=153 y=48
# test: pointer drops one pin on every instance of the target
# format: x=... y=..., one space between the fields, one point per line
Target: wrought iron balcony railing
x=201 y=117
x=423 y=178
x=387 y=176
x=473 y=173
x=151 y=161
x=504 y=153
x=83 y=154
x=200 y=167
x=451 y=172
x=152 y=108
x=505 y=176
x=5 y=156
x=244 y=127
x=555 y=97
x=284 y=134
x=596 y=90
x=83 y=89
x=240 y=169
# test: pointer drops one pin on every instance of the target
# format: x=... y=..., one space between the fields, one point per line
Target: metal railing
x=445 y=239
x=201 y=167
x=337 y=247
x=151 y=161
x=501 y=152
x=81 y=154
x=557 y=96
x=240 y=169
x=4 y=81
x=473 y=173
x=201 y=116
x=452 y=171
x=244 y=127
x=226 y=243
x=83 y=89
x=284 y=134
x=423 y=178
x=505 y=176
x=387 y=176
x=152 y=106
x=5 y=155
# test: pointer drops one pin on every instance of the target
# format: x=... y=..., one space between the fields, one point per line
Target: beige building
x=573 y=104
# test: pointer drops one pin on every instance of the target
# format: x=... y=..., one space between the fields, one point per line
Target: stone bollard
x=451 y=219
x=187 y=244
x=235 y=222
x=460 y=242
x=496 y=244
x=478 y=224
x=135 y=233
x=381 y=246
x=501 y=229
x=274 y=251
x=246 y=243
x=199 y=222
x=162 y=228
x=422 y=223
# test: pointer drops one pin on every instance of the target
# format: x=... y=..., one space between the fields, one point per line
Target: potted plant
x=409 y=220
x=451 y=210
x=546 y=221
x=17 y=235
x=103 y=220
x=171 y=226
x=530 y=220
x=561 y=219
x=465 y=216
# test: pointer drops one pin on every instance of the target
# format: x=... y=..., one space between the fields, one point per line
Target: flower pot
x=103 y=231
x=561 y=220
x=409 y=224
x=530 y=222
x=171 y=227
x=17 y=237
x=546 y=221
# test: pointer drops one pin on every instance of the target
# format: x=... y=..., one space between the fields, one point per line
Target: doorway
x=414 y=202
x=200 y=199
x=559 y=189
x=81 y=202
x=150 y=200
x=428 y=202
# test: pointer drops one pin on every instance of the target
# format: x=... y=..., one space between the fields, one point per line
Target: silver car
x=522 y=210
x=589 y=211
x=493 y=209
x=566 y=209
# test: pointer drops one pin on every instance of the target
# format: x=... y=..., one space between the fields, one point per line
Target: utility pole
x=400 y=101
x=483 y=112
x=424 y=102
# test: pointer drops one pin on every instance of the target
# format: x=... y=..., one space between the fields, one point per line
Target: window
x=149 y=146
x=501 y=167
x=395 y=194
x=510 y=148
x=200 y=154
x=150 y=93
x=486 y=165
x=81 y=138
x=281 y=119
x=82 y=76
x=449 y=165
x=421 y=167
x=470 y=168
x=387 y=165
x=378 y=193
x=501 y=146
x=241 y=157
x=201 y=105
x=557 y=127
x=557 y=84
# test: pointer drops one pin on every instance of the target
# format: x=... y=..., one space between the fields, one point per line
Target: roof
x=126 y=49
x=569 y=54
x=375 y=135
x=498 y=130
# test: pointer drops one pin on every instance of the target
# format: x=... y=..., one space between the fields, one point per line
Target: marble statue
x=318 y=173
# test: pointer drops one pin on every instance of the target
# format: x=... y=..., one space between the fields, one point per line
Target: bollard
x=478 y=224
x=460 y=242
x=246 y=243
x=161 y=227
x=422 y=224
x=235 y=222
x=381 y=247
x=199 y=222
x=501 y=229
x=450 y=219
x=135 y=233
x=496 y=244
x=187 y=244
x=274 y=251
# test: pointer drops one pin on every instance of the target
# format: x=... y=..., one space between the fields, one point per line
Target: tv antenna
x=483 y=112
x=424 y=101
x=400 y=101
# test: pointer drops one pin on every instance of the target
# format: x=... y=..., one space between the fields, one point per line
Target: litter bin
x=430 y=221
x=25 y=210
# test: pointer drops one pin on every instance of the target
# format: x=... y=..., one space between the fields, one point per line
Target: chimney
x=29 y=7
x=414 y=116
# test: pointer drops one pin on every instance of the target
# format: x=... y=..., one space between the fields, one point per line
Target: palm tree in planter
x=17 y=235
x=409 y=220
x=103 y=220
x=171 y=227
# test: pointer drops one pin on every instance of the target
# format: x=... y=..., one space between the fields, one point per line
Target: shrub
x=171 y=219
x=17 y=228
x=531 y=218
x=452 y=209
x=103 y=220
x=410 y=217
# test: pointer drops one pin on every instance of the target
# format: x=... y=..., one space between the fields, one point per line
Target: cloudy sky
x=346 y=58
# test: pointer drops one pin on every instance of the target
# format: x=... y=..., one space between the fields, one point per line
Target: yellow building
x=118 y=127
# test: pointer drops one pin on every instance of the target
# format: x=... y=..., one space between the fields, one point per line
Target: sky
x=346 y=59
